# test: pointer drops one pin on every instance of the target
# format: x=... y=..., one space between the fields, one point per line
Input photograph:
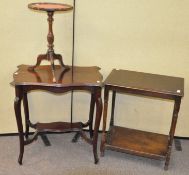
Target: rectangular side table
x=141 y=143
x=75 y=78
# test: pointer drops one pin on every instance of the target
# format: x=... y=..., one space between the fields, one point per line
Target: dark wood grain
x=75 y=78
x=146 y=82
x=42 y=76
x=136 y=142
x=59 y=126
x=50 y=55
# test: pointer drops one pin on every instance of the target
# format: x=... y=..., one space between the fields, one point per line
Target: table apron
x=143 y=92
x=29 y=88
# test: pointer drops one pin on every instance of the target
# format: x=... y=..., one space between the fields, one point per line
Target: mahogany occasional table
x=50 y=9
x=133 y=141
x=75 y=78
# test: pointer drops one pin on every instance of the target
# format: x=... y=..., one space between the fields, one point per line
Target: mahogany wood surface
x=136 y=142
x=59 y=126
x=75 y=78
x=42 y=76
x=50 y=55
x=146 y=82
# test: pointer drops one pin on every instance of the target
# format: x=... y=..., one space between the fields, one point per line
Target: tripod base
x=51 y=58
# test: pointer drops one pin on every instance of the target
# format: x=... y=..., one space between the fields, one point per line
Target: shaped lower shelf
x=59 y=126
x=137 y=142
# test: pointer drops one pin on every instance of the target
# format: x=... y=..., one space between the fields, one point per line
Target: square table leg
x=172 y=129
x=103 y=140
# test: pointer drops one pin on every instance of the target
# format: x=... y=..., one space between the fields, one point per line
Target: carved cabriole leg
x=98 y=101
x=39 y=59
x=172 y=130
x=60 y=59
x=17 y=108
x=26 y=111
x=91 y=113
x=103 y=139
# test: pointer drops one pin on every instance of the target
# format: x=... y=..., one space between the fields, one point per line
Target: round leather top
x=50 y=7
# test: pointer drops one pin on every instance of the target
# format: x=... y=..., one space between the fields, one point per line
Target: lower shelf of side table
x=137 y=142
x=56 y=127
x=59 y=126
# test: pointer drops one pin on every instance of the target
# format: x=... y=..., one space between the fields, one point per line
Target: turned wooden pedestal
x=50 y=55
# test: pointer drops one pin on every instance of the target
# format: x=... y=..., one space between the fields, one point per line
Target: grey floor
x=67 y=158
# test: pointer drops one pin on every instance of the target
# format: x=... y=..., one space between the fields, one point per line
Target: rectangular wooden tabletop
x=42 y=76
x=146 y=82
